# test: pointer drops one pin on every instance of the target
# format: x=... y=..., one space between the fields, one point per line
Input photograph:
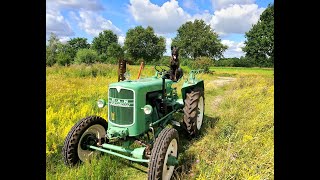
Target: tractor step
x=175 y=123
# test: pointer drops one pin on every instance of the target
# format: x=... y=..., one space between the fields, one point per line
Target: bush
x=63 y=59
x=235 y=62
x=243 y=62
x=138 y=62
x=185 y=61
x=83 y=70
x=87 y=56
x=165 y=60
x=224 y=62
x=115 y=50
x=129 y=61
x=201 y=63
x=103 y=58
x=112 y=60
x=50 y=57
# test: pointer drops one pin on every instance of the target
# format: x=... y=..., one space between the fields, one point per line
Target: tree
x=202 y=63
x=64 y=54
x=115 y=51
x=195 y=39
x=52 y=49
x=75 y=44
x=103 y=41
x=143 y=43
x=63 y=59
x=259 y=45
x=87 y=56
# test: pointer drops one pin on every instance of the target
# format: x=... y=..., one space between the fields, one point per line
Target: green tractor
x=141 y=126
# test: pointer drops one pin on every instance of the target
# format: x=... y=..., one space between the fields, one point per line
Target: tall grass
x=237 y=142
x=237 y=138
x=235 y=71
x=71 y=94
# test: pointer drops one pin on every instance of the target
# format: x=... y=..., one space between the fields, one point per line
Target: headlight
x=147 y=109
x=101 y=103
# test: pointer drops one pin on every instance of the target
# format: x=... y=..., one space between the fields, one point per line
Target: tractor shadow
x=142 y=167
x=187 y=159
x=122 y=163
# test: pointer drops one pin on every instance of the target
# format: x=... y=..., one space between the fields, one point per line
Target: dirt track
x=220 y=82
x=223 y=80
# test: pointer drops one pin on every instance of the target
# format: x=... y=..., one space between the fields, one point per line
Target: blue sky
x=86 y=18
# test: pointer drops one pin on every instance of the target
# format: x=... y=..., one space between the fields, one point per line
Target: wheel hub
x=90 y=137
x=172 y=160
x=172 y=152
x=88 y=140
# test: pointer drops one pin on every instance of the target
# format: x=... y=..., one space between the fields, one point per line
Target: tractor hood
x=144 y=84
x=126 y=101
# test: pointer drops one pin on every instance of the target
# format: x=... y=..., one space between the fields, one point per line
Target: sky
x=87 y=18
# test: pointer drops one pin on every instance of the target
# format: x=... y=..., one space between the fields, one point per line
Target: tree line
x=237 y=62
x=197 y=41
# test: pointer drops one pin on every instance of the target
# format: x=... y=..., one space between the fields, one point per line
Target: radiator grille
x=121 y=106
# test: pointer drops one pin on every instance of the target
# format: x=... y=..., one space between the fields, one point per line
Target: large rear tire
x=166 y=144
x=194 y=111
x=86 y=132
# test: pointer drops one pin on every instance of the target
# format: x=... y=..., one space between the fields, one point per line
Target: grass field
x=237 y=141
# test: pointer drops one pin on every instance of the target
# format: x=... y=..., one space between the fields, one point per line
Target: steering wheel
x=163 y=71
x=162 y=68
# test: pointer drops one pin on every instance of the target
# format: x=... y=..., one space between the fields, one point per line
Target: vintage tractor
x=140 y=125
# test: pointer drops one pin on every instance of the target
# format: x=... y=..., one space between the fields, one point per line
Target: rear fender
x=190 y=86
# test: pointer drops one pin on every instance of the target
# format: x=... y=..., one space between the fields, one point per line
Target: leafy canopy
x=259 y=44
x=196 y=39
x=143 y=44
x=52 y=49
x=103 y=41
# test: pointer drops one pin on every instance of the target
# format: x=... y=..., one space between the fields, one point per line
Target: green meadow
x=237 y=139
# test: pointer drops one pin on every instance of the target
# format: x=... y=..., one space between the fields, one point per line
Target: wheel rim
x=200 y=114
x=173 y=151
x=99 y=132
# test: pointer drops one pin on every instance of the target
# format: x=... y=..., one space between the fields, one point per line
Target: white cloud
x=234 y=48
x=89 y=5
x=168 y=47
x=190 y=4
x=230 y=18
x=164 y=19
x=57 y=24
x=121 y=39
x=64 y=39
x=93 y=23
x=220 y=4
x=88 y=17
x=73 y=15
x=205 y=16
x=235 y=18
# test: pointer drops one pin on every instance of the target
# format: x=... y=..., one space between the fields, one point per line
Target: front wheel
x=88 y=131
x=164 y=155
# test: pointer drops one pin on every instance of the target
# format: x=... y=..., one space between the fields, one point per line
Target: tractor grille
x=121 y=106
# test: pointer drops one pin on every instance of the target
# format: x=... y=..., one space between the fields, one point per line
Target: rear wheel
x=86 y=132
x=164 y=155
x=194 y=111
